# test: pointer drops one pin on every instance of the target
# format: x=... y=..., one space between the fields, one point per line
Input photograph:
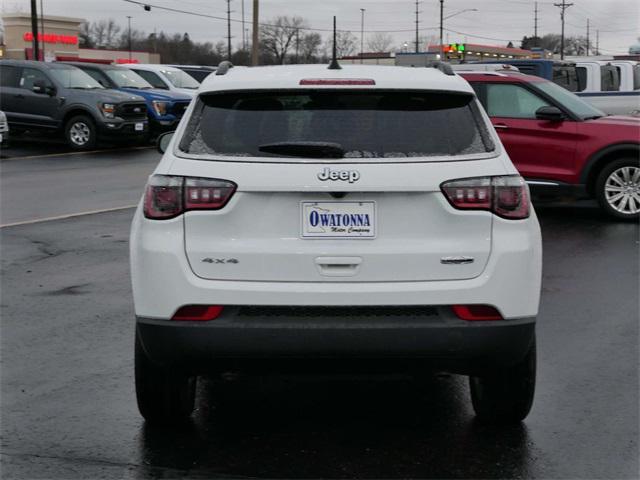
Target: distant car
x=4 y=129
x=199 y=72
x=305 y=213
x=61 y=98
x=165 y=77
x=561 y=144
x=164 y=107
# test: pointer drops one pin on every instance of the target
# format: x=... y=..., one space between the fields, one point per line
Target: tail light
x=506 y=196
x=475 y=313
x=169 y=196
x=197 y=313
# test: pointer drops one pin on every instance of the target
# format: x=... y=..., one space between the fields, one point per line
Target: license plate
x=338 y=219
x=139 y=127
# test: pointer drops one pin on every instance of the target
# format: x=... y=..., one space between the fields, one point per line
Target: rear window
x=567 y=77
x=371 y=124
x=610 y=79
x=636 y=77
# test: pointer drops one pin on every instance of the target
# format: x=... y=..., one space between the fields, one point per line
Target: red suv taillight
x=506 y=196
x=169 y=196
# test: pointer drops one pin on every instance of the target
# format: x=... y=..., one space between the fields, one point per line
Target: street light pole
x=129 y=35
x=361 y=34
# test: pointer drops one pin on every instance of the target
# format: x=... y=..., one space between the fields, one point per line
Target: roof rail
x=444 y=67
x=224 y=67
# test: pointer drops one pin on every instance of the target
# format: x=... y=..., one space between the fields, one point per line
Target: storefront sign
x=52 y=38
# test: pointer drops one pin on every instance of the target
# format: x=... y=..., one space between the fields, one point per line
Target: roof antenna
x=334 y=65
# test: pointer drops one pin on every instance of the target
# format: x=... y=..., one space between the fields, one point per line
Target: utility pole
x=229 y=30
x=129 y=35
x=244 y=38
x=255 y=35
x=587 y=37
x=362 y=10
x=535 y=25
x=34 y=30
x=417 y=29
x=597 y=42
x=297 y=45
x=441 y=30
x=563 y=6
x=42 y=28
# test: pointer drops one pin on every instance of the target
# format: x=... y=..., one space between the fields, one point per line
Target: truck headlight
x=108 y=110
x=160 y=107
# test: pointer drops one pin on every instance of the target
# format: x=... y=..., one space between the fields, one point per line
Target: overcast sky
x=497 y=20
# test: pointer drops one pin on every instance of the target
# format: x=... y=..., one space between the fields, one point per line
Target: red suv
x=561 y=144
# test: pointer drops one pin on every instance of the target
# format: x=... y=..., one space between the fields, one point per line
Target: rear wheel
x=618 y=189
x=505 y=395
x=80 y=132
x=164 y=395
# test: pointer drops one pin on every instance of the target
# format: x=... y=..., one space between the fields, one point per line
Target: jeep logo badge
x=345 y=175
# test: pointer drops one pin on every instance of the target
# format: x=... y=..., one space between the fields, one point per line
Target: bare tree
x=310 y=47
x=85 y=36
x=379 y=42
x=105 y=33
x=346 y=44
x=278 y=37
x=111 y=32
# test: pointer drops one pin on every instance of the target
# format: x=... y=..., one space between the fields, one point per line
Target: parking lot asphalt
x=68 y=403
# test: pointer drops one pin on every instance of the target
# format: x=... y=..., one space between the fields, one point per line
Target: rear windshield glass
x=609 y=79
x=567 y=77
x=372 y=124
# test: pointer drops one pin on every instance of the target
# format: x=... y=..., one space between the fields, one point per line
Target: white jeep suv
x=364 y=213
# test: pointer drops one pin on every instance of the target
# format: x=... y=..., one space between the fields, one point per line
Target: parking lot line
x=86 y=152
x=70 y=215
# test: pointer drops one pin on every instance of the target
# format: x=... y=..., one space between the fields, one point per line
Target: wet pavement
x=68 y=403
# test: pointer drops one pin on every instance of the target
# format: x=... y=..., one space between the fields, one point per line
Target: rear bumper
x=438 y=339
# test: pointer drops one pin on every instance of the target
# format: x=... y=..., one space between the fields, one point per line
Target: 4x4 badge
x=220 y=260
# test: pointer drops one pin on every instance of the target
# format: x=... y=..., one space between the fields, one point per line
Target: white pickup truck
x=611 y=86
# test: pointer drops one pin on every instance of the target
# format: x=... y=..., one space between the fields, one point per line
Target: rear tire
x=618 y=189
x=165 y=396
x=80 y=132
x=505 y=395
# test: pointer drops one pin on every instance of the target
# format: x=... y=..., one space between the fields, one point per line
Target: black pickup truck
x=61 y=98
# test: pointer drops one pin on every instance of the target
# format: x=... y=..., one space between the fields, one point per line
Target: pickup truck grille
x=133 y=110
x=179 y=108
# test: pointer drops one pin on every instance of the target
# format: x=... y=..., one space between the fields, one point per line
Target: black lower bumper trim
x=446 y=343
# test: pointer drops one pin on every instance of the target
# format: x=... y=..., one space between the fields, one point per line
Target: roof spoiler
x=224 y=67
x=444 y=67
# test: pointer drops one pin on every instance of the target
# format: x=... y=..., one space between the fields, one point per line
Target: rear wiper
x=304 y=149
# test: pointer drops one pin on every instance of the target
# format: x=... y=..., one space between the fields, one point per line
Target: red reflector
x=476 y=312
x=337 y=81
x=198 y=313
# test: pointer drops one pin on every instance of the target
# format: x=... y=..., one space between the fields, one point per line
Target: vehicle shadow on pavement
x=346 y=427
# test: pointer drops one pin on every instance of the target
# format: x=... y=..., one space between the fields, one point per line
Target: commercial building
x=473 y=52
x=59 y=41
